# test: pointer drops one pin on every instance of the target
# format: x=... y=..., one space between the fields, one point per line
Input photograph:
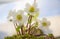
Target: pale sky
x=47 y=8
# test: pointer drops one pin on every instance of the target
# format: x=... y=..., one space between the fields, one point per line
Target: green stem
x=18 y=32
x=15 y=28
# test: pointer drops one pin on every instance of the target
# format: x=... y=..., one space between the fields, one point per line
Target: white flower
x=10 y=15
x=45 y=23
x=45 y=26
x=31 y=9
x=18 y=17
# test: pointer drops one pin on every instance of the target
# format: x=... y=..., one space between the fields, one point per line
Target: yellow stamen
x=19 y=17
x=31 y=9
x=44 y=24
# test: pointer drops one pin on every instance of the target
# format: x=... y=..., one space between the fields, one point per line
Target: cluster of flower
x=27 y=22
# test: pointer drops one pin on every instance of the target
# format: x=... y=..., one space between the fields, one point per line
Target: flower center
x=19 y=17
x=31 y=9
x=44 y=24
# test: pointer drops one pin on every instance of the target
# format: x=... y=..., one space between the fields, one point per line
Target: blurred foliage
x=27 y=36
x=35 y=33
x=18 y=28
x=50 y=35
x=35 y=16
x=57 y=37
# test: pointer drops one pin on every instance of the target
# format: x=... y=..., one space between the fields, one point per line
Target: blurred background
x=48 y=8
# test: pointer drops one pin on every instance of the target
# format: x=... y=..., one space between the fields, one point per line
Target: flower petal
x=20 y=12
x=27 y=5
x=44 y=19
x=48 y=23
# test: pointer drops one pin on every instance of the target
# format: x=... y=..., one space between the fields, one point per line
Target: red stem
x=22 y=30
x=30 y=24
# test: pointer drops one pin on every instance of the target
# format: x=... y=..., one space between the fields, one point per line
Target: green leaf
x=18 y=28
x=50 y=35
x=29 y=21
x=36 y=24
x=28 y=14
x=41 y=37
x=9 y=38
x=35 y=16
